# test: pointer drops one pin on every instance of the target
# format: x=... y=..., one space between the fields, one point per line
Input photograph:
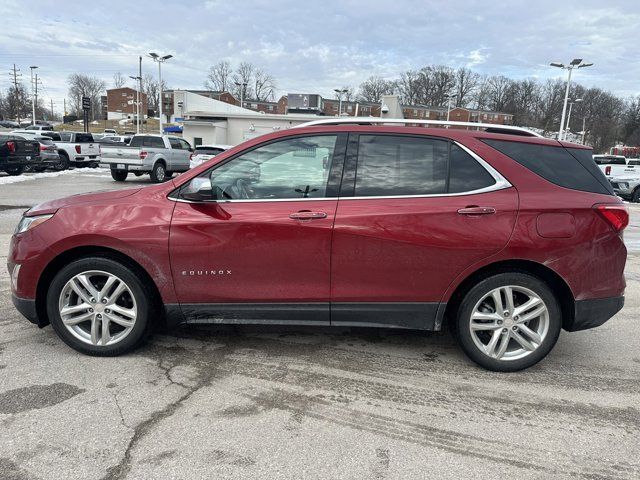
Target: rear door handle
x=307 y=215
x=475 y=210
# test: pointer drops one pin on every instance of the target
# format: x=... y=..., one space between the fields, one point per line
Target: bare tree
x=119 y=80
x=466 y=82
x=409 y=87
x=499 y=89
x=444 y=81
x=81 y=85
x=219 y=77
x=151 y=88
x=349 y=93
x=264 y=85
x=243 y=80
x=372 y=89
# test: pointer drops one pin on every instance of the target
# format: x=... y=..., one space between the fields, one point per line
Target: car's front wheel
x=14 y=171
x=119 y=175
x=508 y=322
x=159 y=173
x=99 y=306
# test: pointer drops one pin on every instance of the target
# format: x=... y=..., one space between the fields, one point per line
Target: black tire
x=93 y=165
x=64 y=162
x=159 y=173
x=481 y=289
x=15 y=171
x=635 y=198
x=141 y=293
x=119 y=175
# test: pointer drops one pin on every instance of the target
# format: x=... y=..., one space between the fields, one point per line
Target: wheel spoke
x=120 y=321
x=116 y=293
x=77 y=319
x=532 y=314
x=528 y=305
x=125 y=312
x=77 y=287
x=534 y=336
x=508 y=295
x=524 y=343
x=86 y=283
x=106 y=335
x=484 y=316
x=75 y=309
x=94 y=331
x=502 y=348
x=104 y=291
x=497 y=299
x=491 y=346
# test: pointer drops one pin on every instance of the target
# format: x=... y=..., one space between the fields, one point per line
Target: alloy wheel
x=509 y=323
x=98 y=308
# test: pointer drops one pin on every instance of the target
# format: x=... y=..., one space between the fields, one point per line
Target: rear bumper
x=594 y=312
x=26 y=307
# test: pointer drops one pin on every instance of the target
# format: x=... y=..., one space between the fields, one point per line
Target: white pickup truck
x=615 y=165
x=158 y=155
x=79 y=149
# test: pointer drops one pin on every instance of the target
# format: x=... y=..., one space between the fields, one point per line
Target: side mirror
x=198 y=190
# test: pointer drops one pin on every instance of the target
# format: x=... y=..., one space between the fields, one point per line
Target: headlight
x=27 y=223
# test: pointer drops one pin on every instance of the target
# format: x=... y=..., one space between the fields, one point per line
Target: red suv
x=504 y=236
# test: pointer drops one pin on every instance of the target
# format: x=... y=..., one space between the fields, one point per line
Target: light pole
x=160 y=60
x=242 y=86
x=449 y=97
x=33 y=98
x=339 y=92
x=137 y=79
x=568 y=129
x=575 y=63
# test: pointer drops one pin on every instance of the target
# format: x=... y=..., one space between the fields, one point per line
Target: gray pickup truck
x=158 y=155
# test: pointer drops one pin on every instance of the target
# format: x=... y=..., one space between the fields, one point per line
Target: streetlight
x=244 y=87
x=449 y=97
x=33 y=98
x=575 y=63
x=160 y=60
x=137 y=78
x=339 y=92
x=568 y=129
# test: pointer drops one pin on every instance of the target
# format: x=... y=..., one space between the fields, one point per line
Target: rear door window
x=570 y=168
x=65 y=137
x=175 y=143
x=390 y=165
x=153 y=142
x=465 y=173
x=84 y=138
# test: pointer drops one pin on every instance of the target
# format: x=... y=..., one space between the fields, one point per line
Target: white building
x=208 y=121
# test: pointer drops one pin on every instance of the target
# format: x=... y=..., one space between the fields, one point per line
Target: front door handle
x=307 y=215
x=475 y=210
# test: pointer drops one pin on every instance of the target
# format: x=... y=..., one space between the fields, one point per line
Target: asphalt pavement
x=257 y=402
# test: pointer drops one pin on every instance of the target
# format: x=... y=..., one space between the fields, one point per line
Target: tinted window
x=184 y=144
x=398 y=165
x=153 y=142
x=136 y=141
x=52 y=135
x=294 y=168
x=208 y=151
x=586 y=160
x=175 y=143
x=557 y=165
x=465 y=173
x=606 y=160
x=65 y=137
x=84 y=138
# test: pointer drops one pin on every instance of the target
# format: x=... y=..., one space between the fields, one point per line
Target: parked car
x=109 y=131
x=79 y=149
x=49 y=157
x=158 y=155
x=507 y=237
x=9 y=124
x=16 y=154
x=614 y=165
x=39 y=128
x=204 y=153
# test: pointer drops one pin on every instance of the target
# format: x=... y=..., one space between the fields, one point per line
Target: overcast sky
x=315 y=46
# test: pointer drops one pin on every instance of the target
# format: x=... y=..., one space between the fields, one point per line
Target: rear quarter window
x=570 y=168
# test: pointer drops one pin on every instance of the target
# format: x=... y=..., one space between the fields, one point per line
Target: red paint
x=376 y=249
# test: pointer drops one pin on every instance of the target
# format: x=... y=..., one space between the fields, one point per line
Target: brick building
x=121 y=103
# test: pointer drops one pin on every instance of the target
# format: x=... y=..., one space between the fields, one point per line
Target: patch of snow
x=26 y=177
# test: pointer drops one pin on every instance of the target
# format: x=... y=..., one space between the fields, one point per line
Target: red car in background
x=505 y=236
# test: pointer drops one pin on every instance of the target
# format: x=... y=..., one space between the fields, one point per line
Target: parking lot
x=256 y=402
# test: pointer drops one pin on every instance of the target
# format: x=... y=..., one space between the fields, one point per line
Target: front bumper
x=594 y=312
x=26 y=307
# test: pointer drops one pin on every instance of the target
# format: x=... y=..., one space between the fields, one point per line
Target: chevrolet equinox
x=504 y=236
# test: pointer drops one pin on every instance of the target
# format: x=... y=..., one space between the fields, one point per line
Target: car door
x=185 y=155
x=414 y=212
x=250 y=238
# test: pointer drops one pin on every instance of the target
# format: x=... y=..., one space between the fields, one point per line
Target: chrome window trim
x=500 y=184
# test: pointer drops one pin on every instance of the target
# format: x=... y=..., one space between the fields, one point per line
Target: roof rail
x=489 y=127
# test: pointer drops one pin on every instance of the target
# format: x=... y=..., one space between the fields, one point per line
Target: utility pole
x=52 y=109
x=35 y=100
x=15 y=85
x=33 y=96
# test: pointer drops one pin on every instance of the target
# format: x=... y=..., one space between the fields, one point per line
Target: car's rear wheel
x=159 y=173
x=14 y=170
x=63 y=163
x=99 y=306
x=508 y=322
x=119 y=175
x=635 y=198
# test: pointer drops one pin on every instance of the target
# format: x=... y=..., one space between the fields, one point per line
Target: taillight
x=77 y=148
x=607 y=170
x=43 y=148
x=143 y=154
x=11 y=146
x=616 y=215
